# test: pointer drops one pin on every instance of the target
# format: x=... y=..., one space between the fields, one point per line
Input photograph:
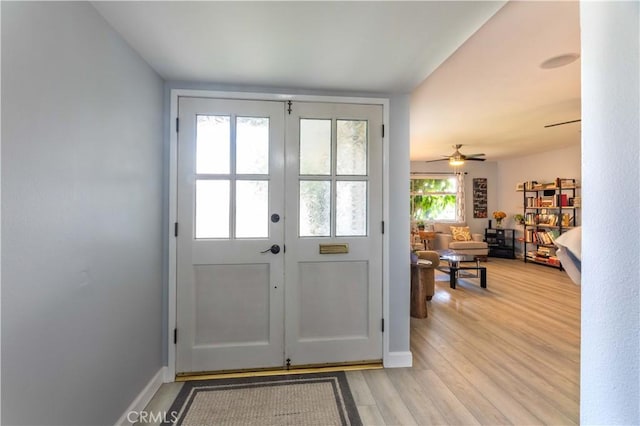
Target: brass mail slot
x=334 y=248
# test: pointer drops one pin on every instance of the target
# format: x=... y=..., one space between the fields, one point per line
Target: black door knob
x=275 y=249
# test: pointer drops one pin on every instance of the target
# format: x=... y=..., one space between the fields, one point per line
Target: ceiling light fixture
x=559 y=61
x=456 y=161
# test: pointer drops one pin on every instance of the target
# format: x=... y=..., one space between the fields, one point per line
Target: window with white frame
x=436 y=198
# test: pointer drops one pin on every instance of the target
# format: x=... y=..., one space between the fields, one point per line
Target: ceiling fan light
x=453 y=161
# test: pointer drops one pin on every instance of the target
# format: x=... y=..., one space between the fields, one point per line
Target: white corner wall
x=610 y=352
x=542 y=167
x=81 y=217
x=399 y=281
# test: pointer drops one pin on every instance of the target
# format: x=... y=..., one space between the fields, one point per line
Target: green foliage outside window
x=433 y=199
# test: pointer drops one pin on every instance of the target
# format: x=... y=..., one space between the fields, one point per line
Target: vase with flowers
x=499 y=216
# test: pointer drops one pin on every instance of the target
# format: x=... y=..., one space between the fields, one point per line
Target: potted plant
x=519 y=219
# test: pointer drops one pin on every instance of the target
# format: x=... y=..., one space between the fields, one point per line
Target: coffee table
x=457 y=263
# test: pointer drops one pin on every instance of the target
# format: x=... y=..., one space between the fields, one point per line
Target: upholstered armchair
x=464 y=242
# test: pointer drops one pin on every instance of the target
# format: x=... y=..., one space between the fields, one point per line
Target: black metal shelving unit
x=549 y=209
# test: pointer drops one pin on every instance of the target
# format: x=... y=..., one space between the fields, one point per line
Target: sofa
x=423 y=282
x=445 y=240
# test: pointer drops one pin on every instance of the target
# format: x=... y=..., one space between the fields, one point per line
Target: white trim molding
x=130 y=415
x=390 y=359
x=398 y=360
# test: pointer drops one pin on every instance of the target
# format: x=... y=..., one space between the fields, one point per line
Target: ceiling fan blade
x=474 y=155
x=563 y=123
x=433 y=161
x=475 y=159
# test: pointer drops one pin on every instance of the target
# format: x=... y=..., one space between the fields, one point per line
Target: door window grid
x=232 y=177
x=333 y=202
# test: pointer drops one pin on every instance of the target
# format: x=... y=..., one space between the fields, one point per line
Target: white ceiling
x=490 y=95
x=493 y=97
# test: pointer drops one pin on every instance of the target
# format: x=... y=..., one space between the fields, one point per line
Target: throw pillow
x=460 y=233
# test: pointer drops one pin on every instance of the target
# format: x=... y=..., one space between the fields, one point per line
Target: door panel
x=333 y=301
x=341 y=285
x=230 y=294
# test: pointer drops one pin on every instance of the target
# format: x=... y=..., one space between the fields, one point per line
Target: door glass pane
x=315 y=147
x=351 y=147
x=252 y=145
x=351 y=208
x=213 y=139
x=212 y=208
x=315 y=208
x=252 y=209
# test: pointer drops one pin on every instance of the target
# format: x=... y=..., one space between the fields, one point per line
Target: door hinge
x=175 y=336
x=383 y=130
x=175 y=229
x=288 y=363
x=383 y=226
x=289 y=109
x=177 y=124
x=383 y=325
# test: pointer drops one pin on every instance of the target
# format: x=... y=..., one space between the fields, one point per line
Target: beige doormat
x=298 y=399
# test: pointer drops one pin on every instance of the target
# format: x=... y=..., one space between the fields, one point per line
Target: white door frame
x=173 y=201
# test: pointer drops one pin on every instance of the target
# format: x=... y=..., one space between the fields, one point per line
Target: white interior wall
x=81 y=207
x=399 y=283
x=610 y=351
x=542 y=167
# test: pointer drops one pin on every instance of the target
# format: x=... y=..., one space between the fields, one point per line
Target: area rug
x=294 y=399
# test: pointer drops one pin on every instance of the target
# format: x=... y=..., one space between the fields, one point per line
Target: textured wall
x=610 y=373
x=81 y=208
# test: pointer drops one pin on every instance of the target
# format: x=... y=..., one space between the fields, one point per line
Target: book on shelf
x=562 y=200
x=540 y=258
x=541 y=237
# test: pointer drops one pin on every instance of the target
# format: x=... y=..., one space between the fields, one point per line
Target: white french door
x=230 y=294
x=246 y=298
x=334 y=246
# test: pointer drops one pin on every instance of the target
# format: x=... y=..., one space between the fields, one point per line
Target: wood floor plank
x=370 y=415
x=470 y=394
x=359 y=389
x=453 y=410
x=388 y=400
x=417 y=400
x=453 y=360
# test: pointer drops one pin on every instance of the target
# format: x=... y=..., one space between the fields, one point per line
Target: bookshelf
x=550 y=209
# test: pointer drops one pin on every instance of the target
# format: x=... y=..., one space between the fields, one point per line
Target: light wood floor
x=509 y=354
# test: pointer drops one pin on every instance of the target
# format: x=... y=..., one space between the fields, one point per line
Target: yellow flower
x=499 y=215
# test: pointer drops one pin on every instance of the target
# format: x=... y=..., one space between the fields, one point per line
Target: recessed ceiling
x=349 y=46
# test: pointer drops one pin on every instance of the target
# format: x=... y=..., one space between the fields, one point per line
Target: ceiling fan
x=457 y=158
